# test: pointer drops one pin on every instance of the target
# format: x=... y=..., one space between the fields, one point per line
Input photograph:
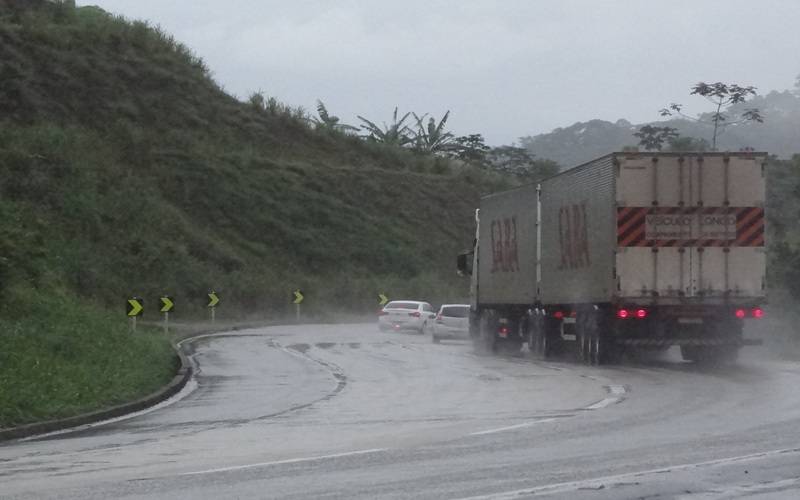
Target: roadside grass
x=61 y=357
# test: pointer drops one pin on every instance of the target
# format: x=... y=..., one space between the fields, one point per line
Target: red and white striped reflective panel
x=690 y=226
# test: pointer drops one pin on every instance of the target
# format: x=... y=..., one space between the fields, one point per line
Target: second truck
x=629 y=251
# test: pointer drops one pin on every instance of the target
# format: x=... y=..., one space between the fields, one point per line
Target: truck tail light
x=415 y=314
x=558 y=315
x=641 y=313
x=740 y=313
x=623 y=314
x=503 y=331
x=758 y=313
x=438 y=318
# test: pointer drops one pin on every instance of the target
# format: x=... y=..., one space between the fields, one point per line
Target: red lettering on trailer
x=505 y=256
x=573 y=231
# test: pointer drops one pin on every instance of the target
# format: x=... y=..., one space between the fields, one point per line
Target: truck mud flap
x=698 y=342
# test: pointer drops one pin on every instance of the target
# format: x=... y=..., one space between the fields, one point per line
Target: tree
x=395 y=134
x=684 y=144
x=327 y=121
x=721 y=95
x=432 y=138
x=520 y=163
x=653 y=138
x=470 y=148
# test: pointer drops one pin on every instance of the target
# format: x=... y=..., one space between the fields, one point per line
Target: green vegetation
x=129 y=171
x=62 y=357
x=125 y=170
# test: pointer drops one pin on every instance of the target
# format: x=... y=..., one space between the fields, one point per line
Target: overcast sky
x=504 y=69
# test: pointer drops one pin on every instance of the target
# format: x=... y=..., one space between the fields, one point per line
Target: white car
x=452 y=322
x=406 y=315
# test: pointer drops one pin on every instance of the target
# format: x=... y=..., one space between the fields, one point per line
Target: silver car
x=406 y=315
x=452 y=322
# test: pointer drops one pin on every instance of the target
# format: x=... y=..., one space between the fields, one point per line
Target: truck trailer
x=628 y=251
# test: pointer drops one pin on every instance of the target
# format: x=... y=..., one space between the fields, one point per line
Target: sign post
x=298 y=299
x=213 y=300
x=166 y=306
x=134 y=309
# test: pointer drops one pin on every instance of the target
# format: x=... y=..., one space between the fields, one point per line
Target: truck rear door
x=691 y=225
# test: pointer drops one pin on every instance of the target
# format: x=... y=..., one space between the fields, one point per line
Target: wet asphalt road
x=347 y=412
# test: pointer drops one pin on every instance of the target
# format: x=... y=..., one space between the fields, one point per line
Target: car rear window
x=401 y=305
x=455 y=311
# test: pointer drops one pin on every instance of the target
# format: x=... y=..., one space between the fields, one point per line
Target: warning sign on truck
x=694 y=226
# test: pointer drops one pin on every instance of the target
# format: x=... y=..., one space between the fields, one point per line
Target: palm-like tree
x=432 y=138
x=395 y=134
x=327 y=121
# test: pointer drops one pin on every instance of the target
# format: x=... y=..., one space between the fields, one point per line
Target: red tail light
x=382 y=313
x=740 y=313
x=641 y=313
x=558 y=315
x=758 y=313
x=503 y=331
x=416 y=314
x=439 y=318
x=623 y=314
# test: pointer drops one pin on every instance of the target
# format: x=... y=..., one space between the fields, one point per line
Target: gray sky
x=504 y=69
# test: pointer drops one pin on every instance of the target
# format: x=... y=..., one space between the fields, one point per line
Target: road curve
x=347 y=412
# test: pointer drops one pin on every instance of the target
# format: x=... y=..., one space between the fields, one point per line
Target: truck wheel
x=586 y=343
x=485 y=342
x=690 y=353
x=537 y=336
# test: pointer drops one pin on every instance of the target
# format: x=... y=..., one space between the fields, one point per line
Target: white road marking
x=603 y=403
x=745 y=490
x=616 y=390
x=282 y=462
x=599 y=482
x=512 y=427
x=190 y=386
x=187 y=389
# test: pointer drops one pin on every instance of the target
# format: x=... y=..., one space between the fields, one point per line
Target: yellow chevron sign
x=166 y=304
x=382 y=299
x=213 y=299
x=298 y=297
x=135 y=307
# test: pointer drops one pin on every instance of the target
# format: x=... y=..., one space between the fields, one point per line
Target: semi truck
x=629 y=251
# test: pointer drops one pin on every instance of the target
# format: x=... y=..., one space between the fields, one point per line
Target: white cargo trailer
x=642 y=250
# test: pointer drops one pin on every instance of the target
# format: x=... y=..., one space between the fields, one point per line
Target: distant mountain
x=582 y=141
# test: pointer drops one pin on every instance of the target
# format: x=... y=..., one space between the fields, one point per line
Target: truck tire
x=596 y=345
x=537 y=336
x=586 y=348
x=485 y=342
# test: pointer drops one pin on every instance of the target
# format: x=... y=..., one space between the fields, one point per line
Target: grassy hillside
x=125 y=169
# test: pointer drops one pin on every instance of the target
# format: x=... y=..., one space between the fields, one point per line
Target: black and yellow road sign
x=135 y=307
x=213 y=299
x=382 y=299
x=167 y=304
x=297 y=296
